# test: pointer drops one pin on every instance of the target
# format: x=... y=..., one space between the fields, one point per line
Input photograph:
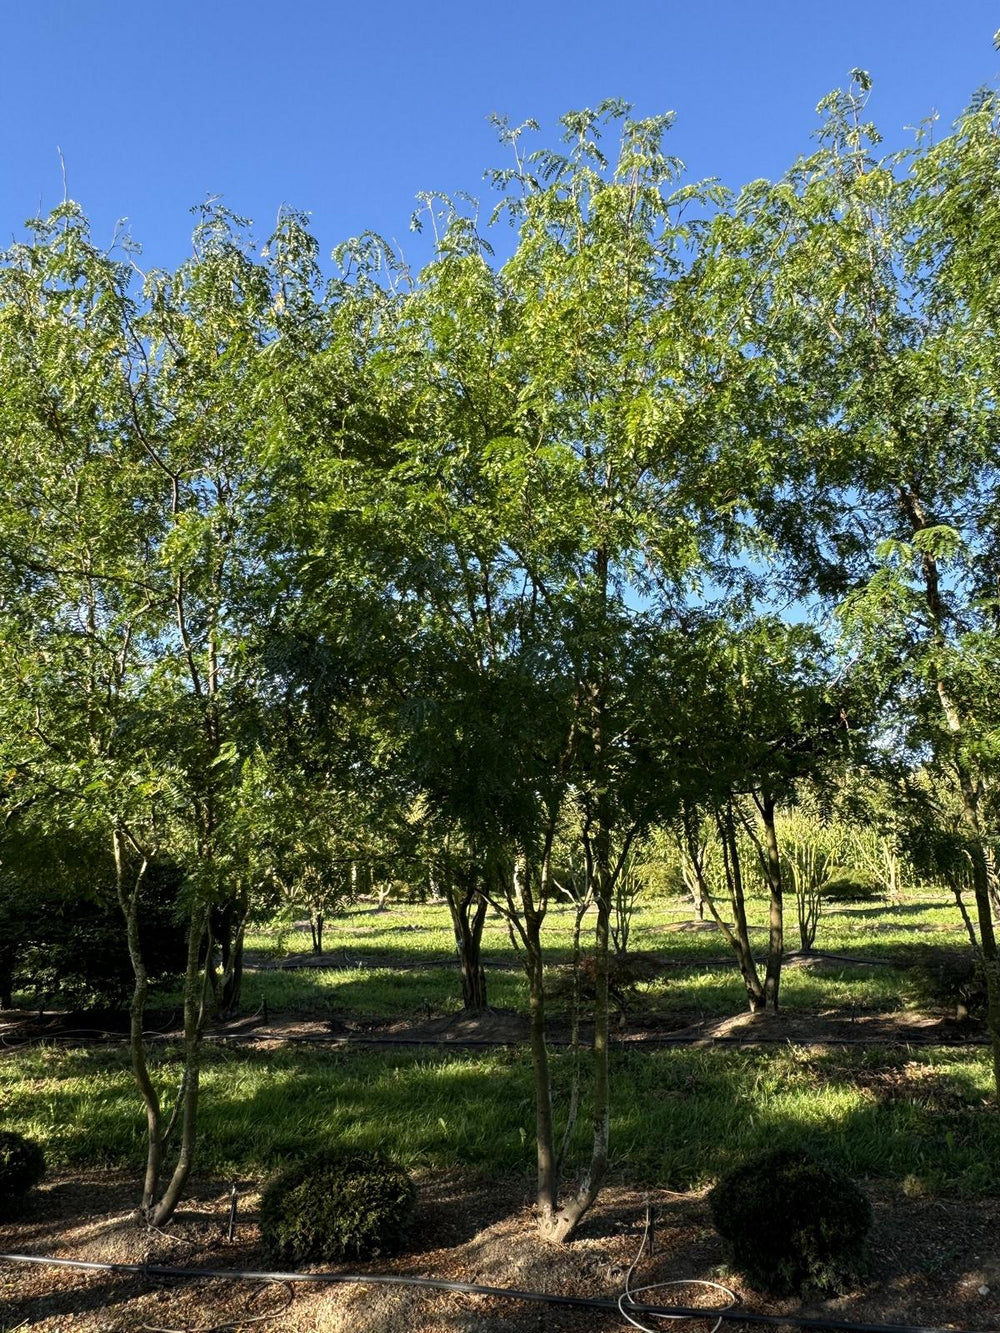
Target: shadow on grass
x=679 y=1116
x=378 y=992
x=882 y=909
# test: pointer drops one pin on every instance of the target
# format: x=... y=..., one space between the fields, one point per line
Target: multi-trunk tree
x=871 y=299
x=131 y=421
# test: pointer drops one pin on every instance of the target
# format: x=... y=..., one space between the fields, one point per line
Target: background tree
x=873 y=310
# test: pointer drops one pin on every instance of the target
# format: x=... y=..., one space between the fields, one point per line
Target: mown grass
x=400 y=962
x=679 y=1117
x=375 y=992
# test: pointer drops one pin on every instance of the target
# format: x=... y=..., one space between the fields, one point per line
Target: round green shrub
x=336 y=1205
x=22 y=1165
x=791 y=1222
x=847 y=885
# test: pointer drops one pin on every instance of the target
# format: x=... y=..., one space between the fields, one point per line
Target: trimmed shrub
x=847 y=885
x=791 y=1222
x=22 y=1165
x=336 y=1205
x=947 y=976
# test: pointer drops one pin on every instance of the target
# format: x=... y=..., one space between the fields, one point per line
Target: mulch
x=931 y=1262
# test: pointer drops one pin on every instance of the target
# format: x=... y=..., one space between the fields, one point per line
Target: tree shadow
x=58 y=1300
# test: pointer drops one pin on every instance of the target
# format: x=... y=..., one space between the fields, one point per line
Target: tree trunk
x=194 y=1016
x=129 y=903
x=547 y=1189
x=738 y=939
x=316 y=931
x=229 y=925
x=7 y=964
x=473 y=973
x=560 y=1226
x=776 y=934
x=579 y=912
x=523 y=906
x=468 y=916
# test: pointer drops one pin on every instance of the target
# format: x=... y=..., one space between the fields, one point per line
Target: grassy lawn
x=678 y=1117
x=401 y=961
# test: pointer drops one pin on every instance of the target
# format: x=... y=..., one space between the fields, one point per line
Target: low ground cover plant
x=336 y=1205
x=22 y=1166
x=792 y=1222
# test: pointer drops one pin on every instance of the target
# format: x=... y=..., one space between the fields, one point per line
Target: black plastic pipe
x=733 y=1315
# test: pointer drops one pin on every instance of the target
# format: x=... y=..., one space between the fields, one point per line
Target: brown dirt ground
x=506 y=1027
x=931 y=1262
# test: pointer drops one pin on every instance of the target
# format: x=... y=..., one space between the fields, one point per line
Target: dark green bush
x=847 y=885
x=336 y=1205
x=22 y=1165
x=791 y=1222
x=946 y=976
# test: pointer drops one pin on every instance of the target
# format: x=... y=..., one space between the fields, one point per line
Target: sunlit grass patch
x=679 y=1117
x=401 y=961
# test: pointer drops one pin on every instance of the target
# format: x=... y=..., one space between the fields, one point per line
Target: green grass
x=679 y=1117
x=401 y=961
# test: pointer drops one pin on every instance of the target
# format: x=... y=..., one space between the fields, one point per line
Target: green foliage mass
x=305 y=585
x=336 y=1205
x=791 y=1221
x=62 y=928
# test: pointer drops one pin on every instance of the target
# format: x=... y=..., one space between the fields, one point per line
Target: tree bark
x=128 y=900
x=7 y=963
x=194 y=1016
x=776 y=931
x=469 y=917
x=547 y=1180
x=316 y=931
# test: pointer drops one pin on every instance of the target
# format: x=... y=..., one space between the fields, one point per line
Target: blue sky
x=347 y=111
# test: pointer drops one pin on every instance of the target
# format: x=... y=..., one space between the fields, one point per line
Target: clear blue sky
x=347 y=110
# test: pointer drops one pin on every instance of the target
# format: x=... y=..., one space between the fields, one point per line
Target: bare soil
x=931 y=1263
x=502 y=1027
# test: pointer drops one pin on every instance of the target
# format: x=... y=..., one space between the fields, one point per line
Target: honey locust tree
x=130 y=420
x=612 y=446
x=530 y=491
x=872 y=288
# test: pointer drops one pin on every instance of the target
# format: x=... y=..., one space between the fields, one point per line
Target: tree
x=610 y=442
x=130 y=479
x=874 y=299
x=773 y=720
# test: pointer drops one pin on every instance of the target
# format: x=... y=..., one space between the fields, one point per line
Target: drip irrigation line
x=733 y=1314
x=615 y=1043
x=682 y=1038
x=109 y=1035
x=627 y=1304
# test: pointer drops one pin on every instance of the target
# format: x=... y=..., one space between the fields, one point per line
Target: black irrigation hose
x=732 y=1315
x=617 y=1043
